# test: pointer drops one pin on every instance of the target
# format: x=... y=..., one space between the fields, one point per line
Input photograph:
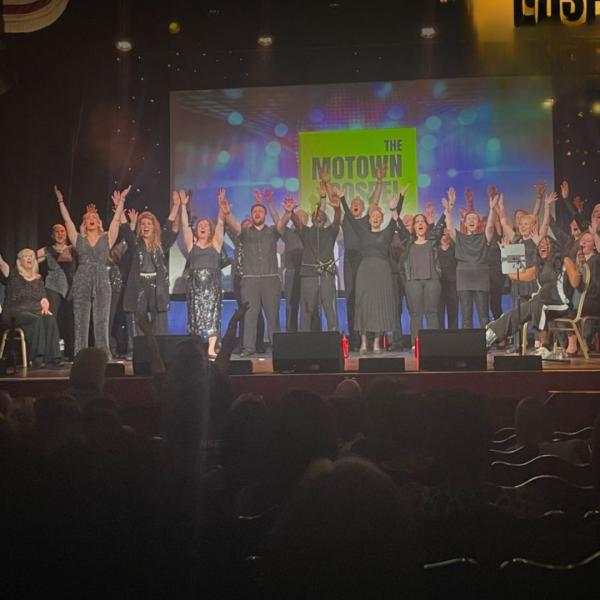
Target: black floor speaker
x=385 y=364
x=166 y=347
x=310 y=352
x=114 y=370
x=240 y=367
x=452 y=350
x=517 y=363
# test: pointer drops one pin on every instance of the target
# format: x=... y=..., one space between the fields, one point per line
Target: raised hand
x=550 y=198
x=492 y=191
x=58 y=193
x=404 y=189
x=324 y=175
x=469 y=198
x=564 y=189
x=133 y=215
x=322 y=189
x=451 y=197
x=493 y=203
x=394 y=199
x=289 y=204
x=268 y=195
x=381 y=171
x=430 y=213
x=125 y=192
x=258 y=197
x=176 y=196
x=91 y=208
x=336 y=191
x=540 y=188
x=446 y=205
x=334 y=201
x=224 y=205
x=500 y=203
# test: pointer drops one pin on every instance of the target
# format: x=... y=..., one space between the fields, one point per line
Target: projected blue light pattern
x=470 y=133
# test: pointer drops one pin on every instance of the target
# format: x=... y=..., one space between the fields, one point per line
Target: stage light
x=428 y=33
x=265 y=40
x=174 y=27
x=124 y=45
x=596 y=108
x=548 y=103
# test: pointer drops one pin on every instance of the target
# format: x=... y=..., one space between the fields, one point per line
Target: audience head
x=526 y=225
x=349 y=388
x=88 y=370
x=472 y=222
x=303 y=216
x=530 y=422
x=345 y=531
x=587 y=244
x=420 y=226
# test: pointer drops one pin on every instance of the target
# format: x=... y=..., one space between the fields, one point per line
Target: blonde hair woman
x=147 y=287
x=91 y=286
x=28 y=308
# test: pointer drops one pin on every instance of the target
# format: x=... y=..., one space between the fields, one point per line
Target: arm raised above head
x=64 y=212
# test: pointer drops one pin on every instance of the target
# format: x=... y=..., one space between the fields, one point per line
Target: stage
x=502 y=389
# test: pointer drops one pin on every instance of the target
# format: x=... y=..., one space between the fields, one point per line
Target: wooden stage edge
x=576 y=374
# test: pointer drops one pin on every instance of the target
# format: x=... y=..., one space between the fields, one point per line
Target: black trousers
x=482 y=304
x=310 y=295
x=449 y=304
x=291 y=293
x=260 y=323
x=423 y=297
x=497 y=281
x=261 y=293
x=62 y=309
x=146 y=305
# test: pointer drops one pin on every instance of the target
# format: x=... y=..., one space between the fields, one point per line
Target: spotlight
x=124 y=45
x=265 y=40
x=428 y=32
x=174 y=27
x=548 y=103
x=596 y=108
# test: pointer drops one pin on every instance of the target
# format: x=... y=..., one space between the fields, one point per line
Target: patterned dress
x=205 y=292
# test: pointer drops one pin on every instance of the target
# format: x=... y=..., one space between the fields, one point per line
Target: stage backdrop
x=433 y=133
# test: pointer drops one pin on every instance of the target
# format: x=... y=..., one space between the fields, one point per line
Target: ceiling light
x=548 y=103
x=428 y=33
x=174 y=27
x=124 y=45
x=265 y=40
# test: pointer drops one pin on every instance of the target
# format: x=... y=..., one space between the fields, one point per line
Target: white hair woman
x=28 y=308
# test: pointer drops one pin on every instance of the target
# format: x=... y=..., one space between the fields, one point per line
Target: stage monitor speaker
x=517 y=363
x=452 y=350
x=381 y=365
x=166 y=347
x=310 y=352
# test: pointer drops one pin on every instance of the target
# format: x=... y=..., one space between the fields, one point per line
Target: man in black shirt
x=261 y=286
x=317 y=274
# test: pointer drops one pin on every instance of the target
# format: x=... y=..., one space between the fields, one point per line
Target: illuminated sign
x=568 y=12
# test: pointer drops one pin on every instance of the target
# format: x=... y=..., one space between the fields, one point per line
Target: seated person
x=28 y=308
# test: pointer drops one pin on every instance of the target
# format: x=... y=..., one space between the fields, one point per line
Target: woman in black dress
x=59 y=261
x=376 y=305
x=28 y=308
x=205 y=292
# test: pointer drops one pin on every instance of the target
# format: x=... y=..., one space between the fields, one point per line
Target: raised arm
x=549 y=200
x=572 y=272
x=113 y=228
x=490 y=226
x=334 y=202
x=507 y=228
x=234 y=227
x=64 y=212
x=188 y=235
x=268 y=196
x=540 y=189
x=173 y=217
x=220 y=226
x=448 y=204
x=376 y=195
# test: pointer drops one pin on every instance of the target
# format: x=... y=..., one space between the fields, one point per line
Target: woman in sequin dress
x=91 y=285
x=205 y=293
